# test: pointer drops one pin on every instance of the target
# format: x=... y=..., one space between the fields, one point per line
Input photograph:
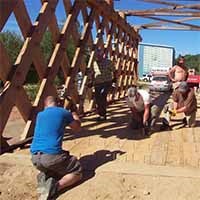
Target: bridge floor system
x=119 y=163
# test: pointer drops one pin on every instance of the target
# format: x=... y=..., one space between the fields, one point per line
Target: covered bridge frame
x=102 y=27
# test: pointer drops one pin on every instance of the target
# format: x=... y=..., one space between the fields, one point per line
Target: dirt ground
x=118 y=164
x=116 y=181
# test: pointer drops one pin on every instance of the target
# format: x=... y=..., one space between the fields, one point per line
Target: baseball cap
x=132 y=91
x=183 y=86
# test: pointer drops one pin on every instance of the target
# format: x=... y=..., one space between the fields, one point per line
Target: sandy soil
x=162 y=167
x=113 y=181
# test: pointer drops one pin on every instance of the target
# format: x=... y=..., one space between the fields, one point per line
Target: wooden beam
x=175 y=5
x=174 y=22
x=23 y=61
x=5 y=66
x=6 y=8
x=112 y=15
x=161 y=23
x=25 y=25
x=161 y=13
x=171 y=28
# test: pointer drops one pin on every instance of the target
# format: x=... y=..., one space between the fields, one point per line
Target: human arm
x=146 y=113
x=172 y=107
x=189 y=104
x=171 y=73
x=176 y=110
x=75 y=125
x=185 y=105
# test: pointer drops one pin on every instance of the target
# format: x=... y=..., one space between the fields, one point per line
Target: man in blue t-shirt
x=58 y=169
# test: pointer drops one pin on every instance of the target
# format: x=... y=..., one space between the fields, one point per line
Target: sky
x=184 y=42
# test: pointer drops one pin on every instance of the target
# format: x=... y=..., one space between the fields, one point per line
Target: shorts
x=57 y=165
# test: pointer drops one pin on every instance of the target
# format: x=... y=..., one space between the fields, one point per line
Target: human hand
x=173 y=112
x=145 y=123
x=70 y=104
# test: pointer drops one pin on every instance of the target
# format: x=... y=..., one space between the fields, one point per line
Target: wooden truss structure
x=189 y=12
x=102 y=27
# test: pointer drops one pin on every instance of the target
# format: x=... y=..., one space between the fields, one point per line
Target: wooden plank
x=25 y=25
x=53 y=27
x=5 y=65
x=23 y=59
x=181 y=28
x=114 y=16
x=23 y=18
x=161 y=23
x=173 y=22
x=162 y=13
x=61 y=45
x=23 y=104
x=6 y=8
x=78 y=54
x=175 y=5
x=6 y=104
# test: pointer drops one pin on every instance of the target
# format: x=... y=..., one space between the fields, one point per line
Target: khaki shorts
x=57 y=165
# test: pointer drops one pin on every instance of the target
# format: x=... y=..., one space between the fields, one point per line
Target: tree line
x=192 y=62
x=13 y=42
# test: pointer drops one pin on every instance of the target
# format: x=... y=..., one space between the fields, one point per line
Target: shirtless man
x=178 y=72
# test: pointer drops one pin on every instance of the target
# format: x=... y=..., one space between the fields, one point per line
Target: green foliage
x=32 y=76
x=47 y=45
x=31 y=90
x=70 y=49
x=192 y=61
x=12 y=43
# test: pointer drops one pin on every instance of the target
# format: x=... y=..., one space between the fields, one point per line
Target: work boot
x=166 y=108
x=41 y=180
x=147 y=132
x=49 y=190
x=184 y=121
x=165 y=125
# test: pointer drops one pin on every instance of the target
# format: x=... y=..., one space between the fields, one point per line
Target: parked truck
x=193 y=78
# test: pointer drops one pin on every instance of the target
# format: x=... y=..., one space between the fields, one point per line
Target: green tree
x=47 y=45
x=192 y=62
x=12 y=43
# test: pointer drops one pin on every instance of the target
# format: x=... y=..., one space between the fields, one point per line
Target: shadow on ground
x=116 y=123
x=91 y=162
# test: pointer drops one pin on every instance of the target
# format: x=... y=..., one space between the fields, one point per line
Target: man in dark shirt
x=58 y=169
x=184 y=101
x=103 y=77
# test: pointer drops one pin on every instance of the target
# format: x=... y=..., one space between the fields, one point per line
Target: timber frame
x=102 y=27
x=190 y=12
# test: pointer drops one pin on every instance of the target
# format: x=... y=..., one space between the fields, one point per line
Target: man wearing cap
x=178 y=72
x=184 y=101
x=143 y=113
